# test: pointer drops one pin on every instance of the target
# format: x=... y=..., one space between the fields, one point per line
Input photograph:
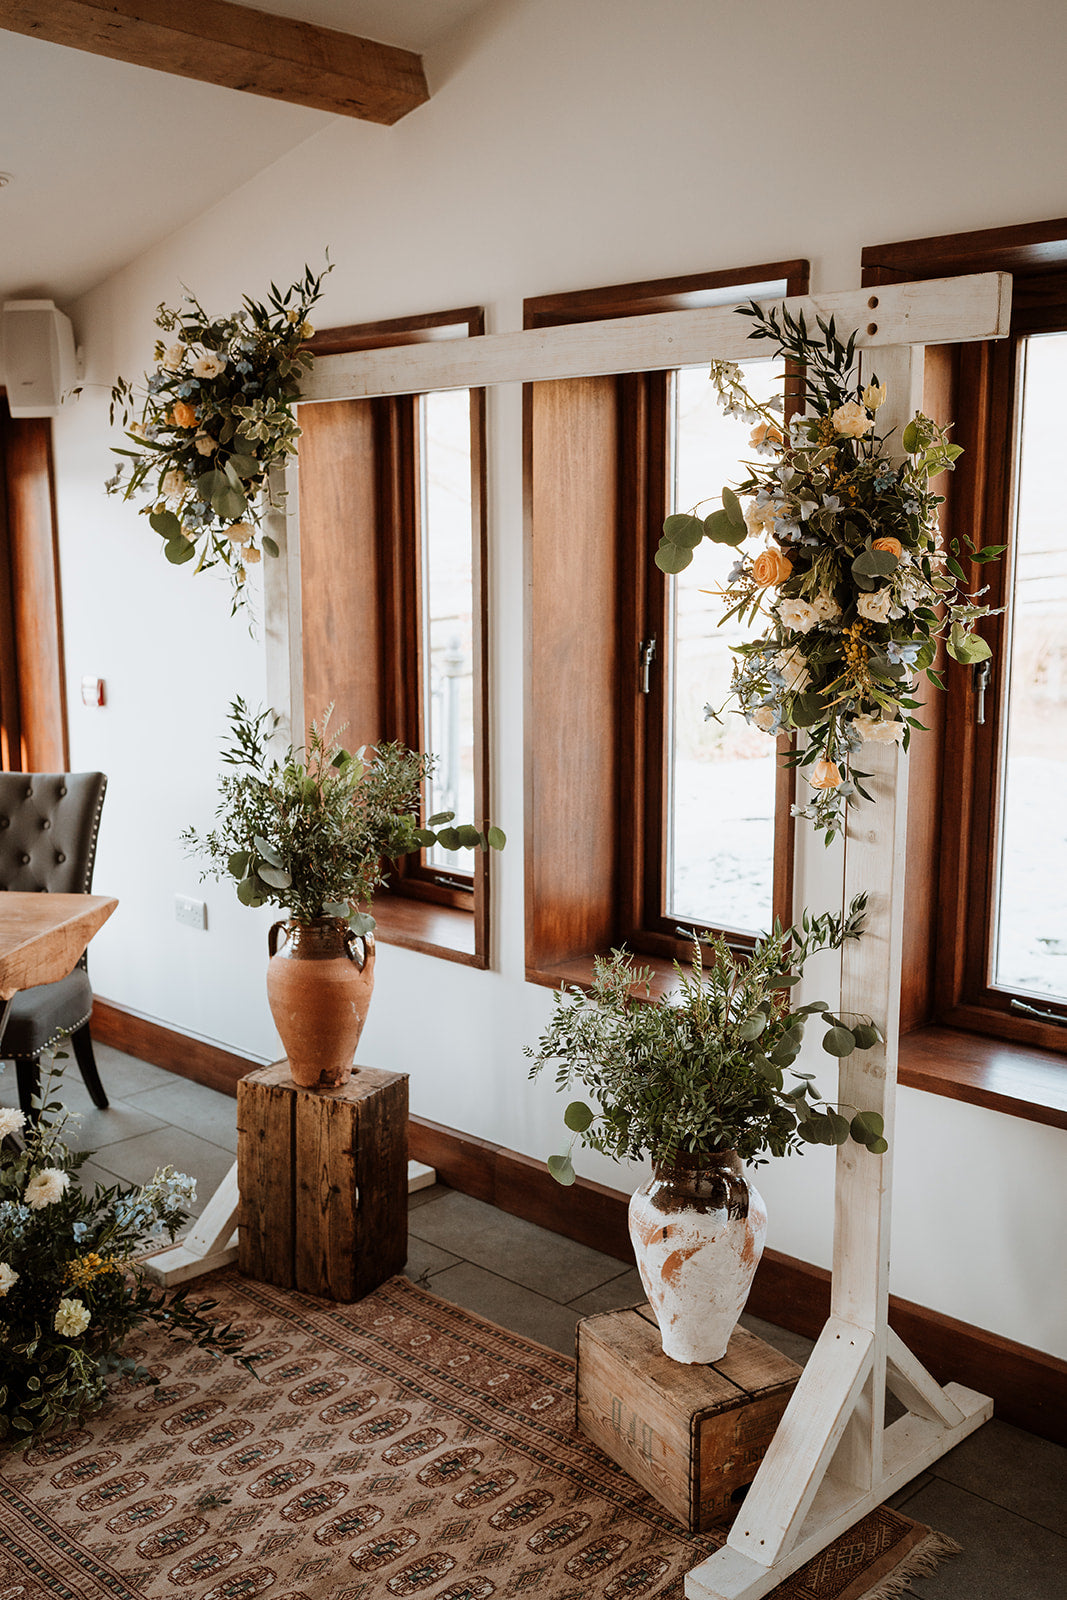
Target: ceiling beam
x=237 y=47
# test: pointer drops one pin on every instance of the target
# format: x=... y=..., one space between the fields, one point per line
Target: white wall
x=568 y=145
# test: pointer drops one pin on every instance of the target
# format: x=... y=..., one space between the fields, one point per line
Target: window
x=998 y=924
x=644 y=820
x=392 y=551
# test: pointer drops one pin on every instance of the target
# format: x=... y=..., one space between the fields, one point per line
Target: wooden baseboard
x=1028 y=1387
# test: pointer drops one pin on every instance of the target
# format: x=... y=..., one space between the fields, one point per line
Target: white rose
x=173 y=356
x=792 y=666
x=174 y=484
x=764 y=718
x=873 y=731
x=875 y=607
x=10 y=1121
x=72 y=1318
x=826 y=608
x=46 y=1187
x=208 y=366
x=204 y=443
x=8 y=1278
x=851 y=420
x=797 y=615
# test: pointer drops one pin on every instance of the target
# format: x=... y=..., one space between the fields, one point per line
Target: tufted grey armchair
x=48 y=827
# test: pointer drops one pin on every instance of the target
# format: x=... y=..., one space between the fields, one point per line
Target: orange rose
x=891 y=546
x=764 y=433
x=771 y=567
x=182 y=415
x=825 y=775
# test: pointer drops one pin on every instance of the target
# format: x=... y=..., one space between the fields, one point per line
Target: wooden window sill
x=433 y=930
x=1015 y=1079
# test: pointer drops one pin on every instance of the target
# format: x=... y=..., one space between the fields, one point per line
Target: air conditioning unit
x=38 y=361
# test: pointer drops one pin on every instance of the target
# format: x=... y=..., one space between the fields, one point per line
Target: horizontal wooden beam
x=236 y=47
x=941 y=311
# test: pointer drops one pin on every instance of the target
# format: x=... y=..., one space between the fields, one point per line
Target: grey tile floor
x=1002 y=1493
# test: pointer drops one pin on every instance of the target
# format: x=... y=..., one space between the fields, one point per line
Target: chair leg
x=82 y=1042
x=28 y=1076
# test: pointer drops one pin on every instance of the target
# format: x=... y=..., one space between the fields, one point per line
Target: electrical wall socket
x=191 y=913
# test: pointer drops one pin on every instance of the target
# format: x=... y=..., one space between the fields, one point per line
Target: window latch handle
x=647 y=655
x=983 y=671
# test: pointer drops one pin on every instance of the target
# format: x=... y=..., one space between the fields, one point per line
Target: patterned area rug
x=396 y=1447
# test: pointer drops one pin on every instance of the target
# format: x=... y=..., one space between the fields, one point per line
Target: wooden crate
x=692 y=1436
x=323 y=1181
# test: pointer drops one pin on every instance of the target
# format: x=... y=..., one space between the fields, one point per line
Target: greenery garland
x=850 y=571
x=212 y=420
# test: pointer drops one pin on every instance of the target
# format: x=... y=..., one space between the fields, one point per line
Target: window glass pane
x=720 y=802
x=447 y=612
x=1030 y=947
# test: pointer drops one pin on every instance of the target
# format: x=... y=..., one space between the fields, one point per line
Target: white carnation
x=875 y=607
x=797 y=615
x=172 y=357
x=208 y=366
x=10 y=1121
x=46 y=1187
x=851 y=421
x=8 y=1278
x=72 y=1318
x=826 y=608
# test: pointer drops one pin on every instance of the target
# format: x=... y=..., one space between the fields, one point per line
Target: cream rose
x=240 y=533
x=172 y=357
x=174 y=483
x=8 y=1278
x=771 y=567
x=875 y=607
x=208 y=365
x=46 y=1187
x=851 y=421
x=764 y=718
x=825 y=775
x=204 y=443
x=72 y=1318
x=826 y=608
x=873 y=731
x=759 y=517
x=797 y=615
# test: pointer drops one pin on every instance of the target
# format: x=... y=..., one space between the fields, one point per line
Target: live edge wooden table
x=42 y=937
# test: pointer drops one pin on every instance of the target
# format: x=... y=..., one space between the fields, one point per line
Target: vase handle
x=367 y=941
x=272 y=937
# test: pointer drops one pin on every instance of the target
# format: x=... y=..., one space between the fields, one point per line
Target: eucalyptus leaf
x=839 y=1042
x=362 y=923
x=672 y=558
x=866 y=1035
x=732 y=506
x=874 y=564
x=684 y=529
x=277 y=877
x=561 y=1169
x=270 y=545
x=578 y=1116
x=440 y=817
x=751 y=1027
x=720 y=528
x=237 y=863
x=248 y=892
x=267 y=851
x=179 y=550
x=496 y=838
x=165 y=523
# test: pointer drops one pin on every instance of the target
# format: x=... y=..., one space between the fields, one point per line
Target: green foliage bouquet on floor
x=850 y=572
x=704 y=1069
x=212 y=420
x=70 y=1288
x=314 y=835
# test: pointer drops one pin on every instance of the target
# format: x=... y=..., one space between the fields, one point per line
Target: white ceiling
x=106 y=158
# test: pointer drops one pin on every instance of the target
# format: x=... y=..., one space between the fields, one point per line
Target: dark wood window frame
x=361 y=599
x=594 y=857
x=967 y=1042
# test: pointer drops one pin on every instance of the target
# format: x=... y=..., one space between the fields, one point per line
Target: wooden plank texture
x=237 y=47
x=939 y=311
x=42 y=936
x=265 y=1134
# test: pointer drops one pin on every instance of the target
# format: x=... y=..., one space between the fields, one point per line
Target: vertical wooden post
x=281 y=605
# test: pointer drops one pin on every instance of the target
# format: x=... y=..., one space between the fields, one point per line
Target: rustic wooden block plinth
x=323 y=1181
x=693 y=1436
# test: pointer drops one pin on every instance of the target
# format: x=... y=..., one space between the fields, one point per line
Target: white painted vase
x=698 y=1227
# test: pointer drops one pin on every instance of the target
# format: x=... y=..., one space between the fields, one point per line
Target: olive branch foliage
x=705 y=1068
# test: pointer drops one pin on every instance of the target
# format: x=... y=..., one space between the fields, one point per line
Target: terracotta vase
x=319 y=993
x=698 y=1227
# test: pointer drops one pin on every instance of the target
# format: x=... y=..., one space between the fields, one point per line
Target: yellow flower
x=874 y=395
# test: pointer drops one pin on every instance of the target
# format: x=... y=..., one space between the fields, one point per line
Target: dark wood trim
x=362 y=586
x=209 y=1064
x=1028 y=1386
x=1031 y=247
x=996 y=1073
x=236 y=47
x=31 y=559
x=596 y=457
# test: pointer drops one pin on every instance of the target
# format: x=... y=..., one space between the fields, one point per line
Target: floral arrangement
x=215 y=416
x=849 y=570
x=70 y=1287
x=313 y=835
x=704 y=1069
